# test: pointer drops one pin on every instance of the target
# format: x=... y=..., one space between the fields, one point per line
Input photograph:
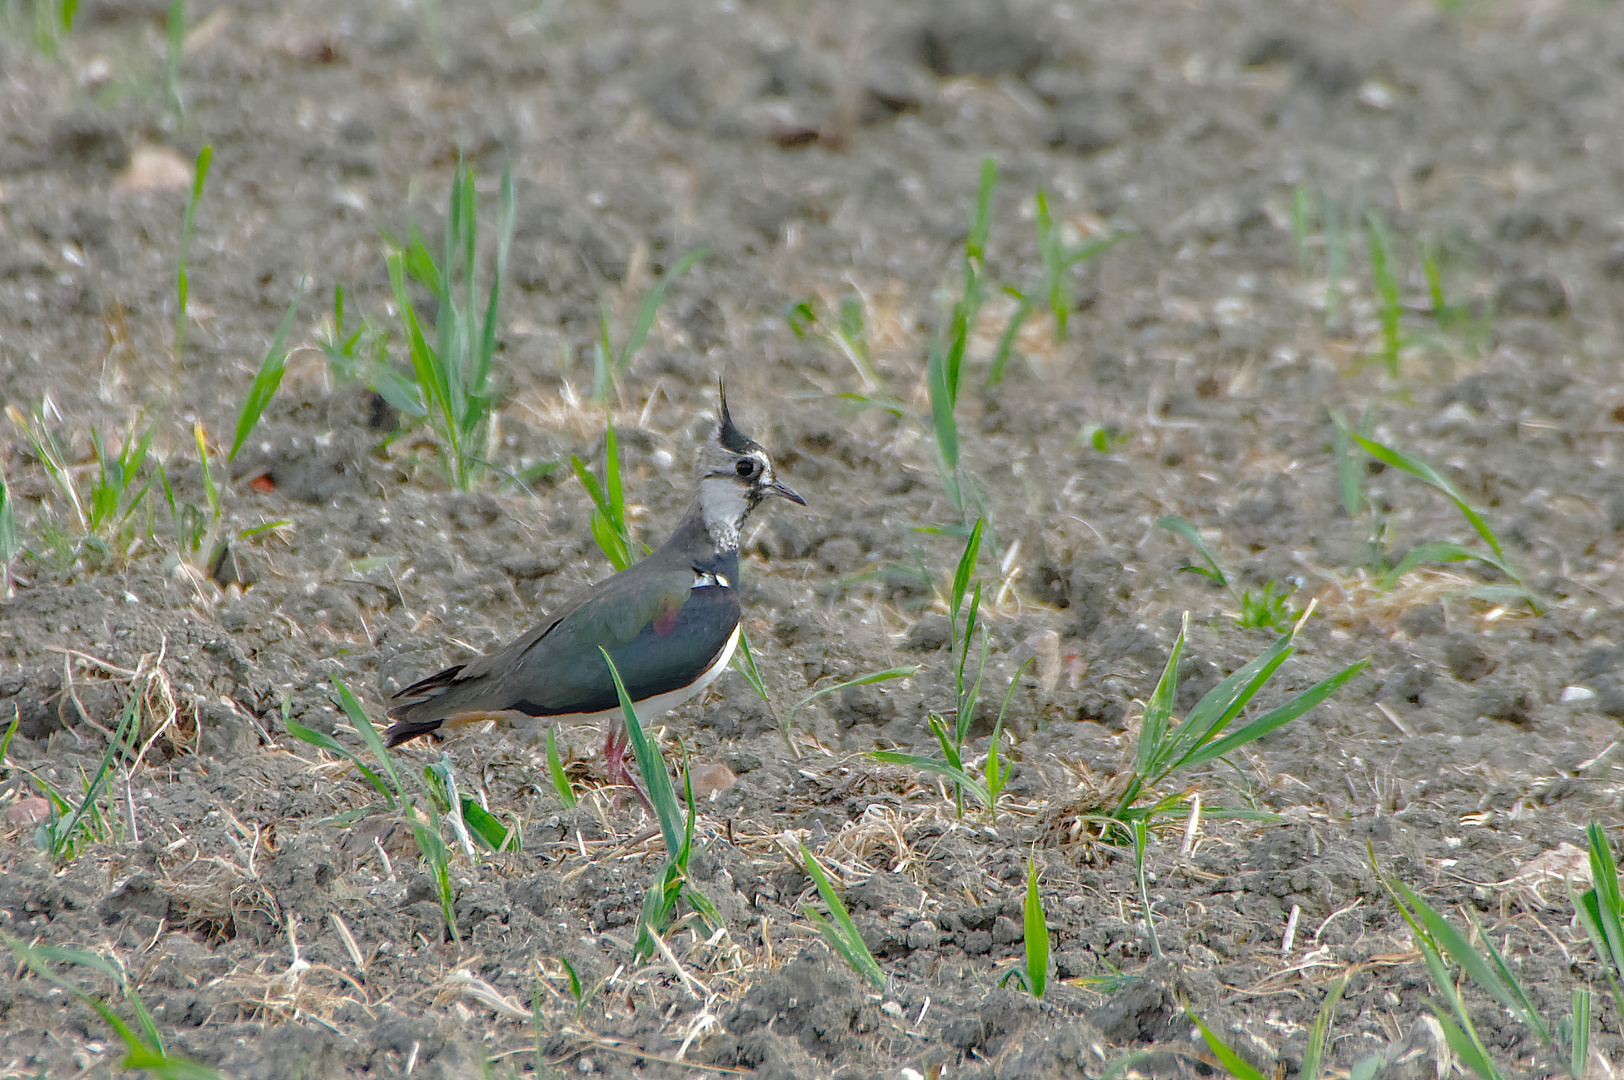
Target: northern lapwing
x=670 y=622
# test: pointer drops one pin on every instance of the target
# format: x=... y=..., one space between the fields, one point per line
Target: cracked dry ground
x=827 y=153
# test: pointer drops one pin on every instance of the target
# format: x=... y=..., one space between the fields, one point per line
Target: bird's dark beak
x=784 y=491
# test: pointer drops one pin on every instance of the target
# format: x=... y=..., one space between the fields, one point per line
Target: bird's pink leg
x=614 y=759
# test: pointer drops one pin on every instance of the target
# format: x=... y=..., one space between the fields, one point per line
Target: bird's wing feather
x=552 y=664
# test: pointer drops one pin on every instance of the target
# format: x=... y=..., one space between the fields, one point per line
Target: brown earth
x=825 y=151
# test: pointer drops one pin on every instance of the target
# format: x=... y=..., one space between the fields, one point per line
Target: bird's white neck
x=725 y=507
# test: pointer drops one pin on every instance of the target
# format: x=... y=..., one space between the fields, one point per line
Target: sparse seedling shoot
x=951 y=739
x=430 y=844
x=1207 y=733
x=453 y=372
x=1053 y=288
x=199 y=175
x=837 y=929
x=677 y=829
x=609 y=527
x=143 y=1045
x=1389 y=309
x=1447 y=551
x=609 y=364
x=97 y=520
x=1034 y=973
x=1268 y=609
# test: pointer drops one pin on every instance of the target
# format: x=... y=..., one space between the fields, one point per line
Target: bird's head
x=735 y=476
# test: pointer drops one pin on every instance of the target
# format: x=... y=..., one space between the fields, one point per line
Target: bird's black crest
x=729 y=436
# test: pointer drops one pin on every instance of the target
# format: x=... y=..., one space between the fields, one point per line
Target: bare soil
x=825 y=151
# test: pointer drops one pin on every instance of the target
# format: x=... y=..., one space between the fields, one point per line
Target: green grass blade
x=744 y=662
x=651 y=306
x=941 y=408
x=861 y=680
x=1236 y=1065
x=950 y=747
x=63 y=832
x=172 y=58
x=1302 y=225
x=1175 y=524
x=1218 y=707
x=432 y=846
x=11 y=731
x=939 y=767
x=9 y=547
x=199 y=174
x=1347 y=469
x=326 y=742
x=431 y=377
x=1585 y=908
x=1522 y=1006
x=1470 y=1053
x=483 y=824
x=1604 y=882
x=651 y=765
x=1006 y=340
x=1445 y=551
x=969 y=699
x=843 y=936
x=1160 y=706
x=362 y=724
x=594 y=489
x=1321 y=1030
x=1578 y=1031
x=149 y=1026
x=1452 y=942
x=555 y=769
x=658 y=903
x=611 y=473
x=997 y=772
x=265 y=383
x=1037 y=934
x=1423 y=471
x=1275 y=718
x=609 y=541
x=965 y=571
x=981 y=222
x=1388 y=308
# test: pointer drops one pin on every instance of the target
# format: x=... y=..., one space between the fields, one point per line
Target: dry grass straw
x=300 y=992
x=1356 y=598
x=159 y=712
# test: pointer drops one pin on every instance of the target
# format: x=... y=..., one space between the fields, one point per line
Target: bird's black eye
x=748 y=468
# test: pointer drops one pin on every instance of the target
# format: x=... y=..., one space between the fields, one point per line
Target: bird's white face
x=732 y=487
